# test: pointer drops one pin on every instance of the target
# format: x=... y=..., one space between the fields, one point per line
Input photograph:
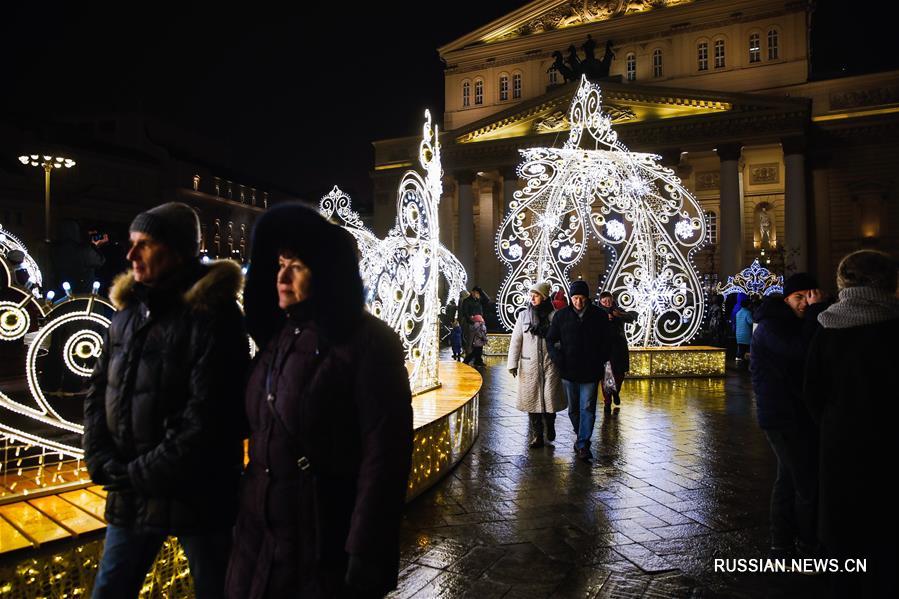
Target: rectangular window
x=516 y=86
x=466 y=94
x=478 y=92
x=702 y=54
x=503 y=88
x=657 y=63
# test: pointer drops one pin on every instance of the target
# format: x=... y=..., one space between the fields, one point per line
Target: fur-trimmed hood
x=219 y=281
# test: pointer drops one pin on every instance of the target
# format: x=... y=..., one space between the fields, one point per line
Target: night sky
x=294 y=101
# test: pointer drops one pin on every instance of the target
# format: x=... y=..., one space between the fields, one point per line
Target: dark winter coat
x=468 y=308
x=349 y=407
x=850 y=390
x=621 y=356
x=166 y=401
x=777 y=352
x=580 y=347
x=341 y=393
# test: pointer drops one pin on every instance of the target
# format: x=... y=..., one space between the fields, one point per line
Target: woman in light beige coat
x=539 y=384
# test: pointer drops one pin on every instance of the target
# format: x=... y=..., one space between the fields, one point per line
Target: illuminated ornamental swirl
x=401 y=272
x=629 y=202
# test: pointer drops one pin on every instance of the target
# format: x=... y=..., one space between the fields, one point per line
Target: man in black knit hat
x=163 y=421
x=786 y=325
x=579 y=341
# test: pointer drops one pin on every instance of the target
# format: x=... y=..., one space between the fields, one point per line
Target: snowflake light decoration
x=570 y=187
x=401 y=272
x=756 y=280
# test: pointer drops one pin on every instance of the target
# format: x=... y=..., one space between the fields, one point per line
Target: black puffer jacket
x=166 y=401
x=580 y=347
x=778 y=349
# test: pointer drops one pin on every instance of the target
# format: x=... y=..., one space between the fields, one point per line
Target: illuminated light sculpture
x=337 y=206
x=9 y=243
x=756 y=280
x=402 y=271
x=81 y=322
x=546 y=230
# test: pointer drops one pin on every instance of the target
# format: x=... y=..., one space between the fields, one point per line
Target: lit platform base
x=446 y=425
x=497 y=344
x=676 y=362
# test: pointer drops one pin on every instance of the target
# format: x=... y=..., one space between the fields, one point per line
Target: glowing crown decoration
x=755 y=280
x=401 y=272
x=633 y=205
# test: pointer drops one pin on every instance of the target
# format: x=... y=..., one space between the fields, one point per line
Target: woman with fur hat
x=539 y=385
x=330 y=416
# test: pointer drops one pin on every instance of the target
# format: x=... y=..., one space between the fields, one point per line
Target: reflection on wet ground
x=681 y=476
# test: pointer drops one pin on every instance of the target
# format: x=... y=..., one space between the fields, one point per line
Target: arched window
x=631 y=67
x=719 y=54
x=479 y=92
x=702 y=56
x=503 y=87
x=466 y=94
x=516 y=86
x=755 y=48
x=657 y=62
x=773 y=48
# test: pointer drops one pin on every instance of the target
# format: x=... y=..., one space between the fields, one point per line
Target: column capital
x=509 y=172
x=671 y=157
x=465 y=177
x=794 y=145
x=729 y=151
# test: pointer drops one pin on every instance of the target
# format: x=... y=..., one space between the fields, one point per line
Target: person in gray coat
x=539 y=384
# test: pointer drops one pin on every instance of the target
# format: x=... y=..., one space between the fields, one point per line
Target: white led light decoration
x=569 y=187
x=14 y=320
x=82 y=319
x=337 y=207
x=756 y=280
x=402 y=271
x=8 y=243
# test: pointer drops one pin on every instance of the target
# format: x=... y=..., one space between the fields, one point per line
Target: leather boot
x=550 y=419
x=536 y=430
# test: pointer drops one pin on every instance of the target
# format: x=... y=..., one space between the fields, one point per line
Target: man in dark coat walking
x=163 y=420
x=579 y=342
x=785 y=328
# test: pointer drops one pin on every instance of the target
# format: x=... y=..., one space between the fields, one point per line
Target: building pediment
x=552 y=15
x=625 y=103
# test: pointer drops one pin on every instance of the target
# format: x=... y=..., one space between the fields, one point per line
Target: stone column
x=446 y=215
x=795 y=208
x=510 y=186
x=730 y=233
x=488 y=220
x=821 y=249
x=465 y=251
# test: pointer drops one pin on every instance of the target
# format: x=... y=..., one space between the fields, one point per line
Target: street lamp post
x=48 y=163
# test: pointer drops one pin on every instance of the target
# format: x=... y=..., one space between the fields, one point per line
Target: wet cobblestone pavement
x=681 y=476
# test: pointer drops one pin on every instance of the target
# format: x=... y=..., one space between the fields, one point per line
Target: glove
x=116 y=475
x=362 y=574
x=514 y=371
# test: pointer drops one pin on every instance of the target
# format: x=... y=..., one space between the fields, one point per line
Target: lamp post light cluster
x=48 y=163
